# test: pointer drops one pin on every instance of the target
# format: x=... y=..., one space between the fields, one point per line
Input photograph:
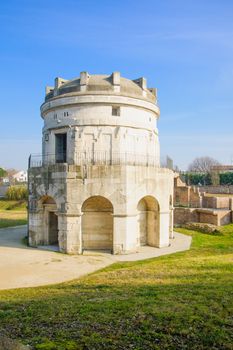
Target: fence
x=93 y=158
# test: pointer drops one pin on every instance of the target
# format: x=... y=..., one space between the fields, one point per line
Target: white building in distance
x=20 y=176
x=99 y=184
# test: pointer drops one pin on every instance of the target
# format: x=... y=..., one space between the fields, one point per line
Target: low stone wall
x=181 y=196
x=216 y=202
x=216 y=217
x=187 y=196
x=192 y=205
x=217 y=189
x=184 y=215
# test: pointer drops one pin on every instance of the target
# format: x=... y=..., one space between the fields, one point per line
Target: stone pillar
x=231 y=208
x=132 y=239
x=125 y=239
x=171 y=223
x=70 y=238
x=36 y=228
x=164 y=229
x=84 y=77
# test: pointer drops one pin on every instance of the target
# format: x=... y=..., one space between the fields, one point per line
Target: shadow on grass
x=12 y=222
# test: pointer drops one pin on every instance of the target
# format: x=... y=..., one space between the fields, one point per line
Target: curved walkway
x=22 y=266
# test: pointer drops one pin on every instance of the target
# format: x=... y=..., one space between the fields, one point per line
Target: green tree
x=2 y=172
x=196 y=179
x=226 y=178
x=202 y=164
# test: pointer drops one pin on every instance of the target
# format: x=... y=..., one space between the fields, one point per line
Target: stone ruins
x=194 y=204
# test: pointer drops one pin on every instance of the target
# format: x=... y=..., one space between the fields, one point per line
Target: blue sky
x=184 y=48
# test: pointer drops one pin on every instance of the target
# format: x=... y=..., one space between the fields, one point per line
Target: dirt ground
x=22 y=266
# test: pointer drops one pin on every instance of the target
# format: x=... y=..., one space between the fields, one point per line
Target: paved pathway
x=22 y=266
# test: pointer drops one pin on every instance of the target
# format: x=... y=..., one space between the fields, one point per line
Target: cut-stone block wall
x=216 y=202
x=187 y=196
x=215 y=217
x=99 y=227
x=217 y=189
x=209 y=216
x=209 y=209
x=184 y=215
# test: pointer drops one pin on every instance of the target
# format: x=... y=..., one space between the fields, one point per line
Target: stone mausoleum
x=98 y=184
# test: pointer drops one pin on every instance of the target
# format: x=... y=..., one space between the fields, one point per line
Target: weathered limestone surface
x=187 y=196
x=117 y=225
x=107 y=188
x=185 y=215
x=223 y=189
x=192 y=205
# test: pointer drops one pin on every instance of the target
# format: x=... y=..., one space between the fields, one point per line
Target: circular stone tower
x=98 y=183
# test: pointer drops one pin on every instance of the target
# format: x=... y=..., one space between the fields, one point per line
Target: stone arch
x=97 y=224
x=49 y=219
x=148 y=221
x=46 y=199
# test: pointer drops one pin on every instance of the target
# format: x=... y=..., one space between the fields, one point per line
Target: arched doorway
x=148 y=221
x=50 y=220
x=97 y=224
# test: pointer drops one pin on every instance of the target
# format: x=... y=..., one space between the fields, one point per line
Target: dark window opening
x=53 y=229
x=61 y=147
x=116 y=111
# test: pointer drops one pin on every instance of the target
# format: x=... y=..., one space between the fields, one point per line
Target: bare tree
x=202 y=164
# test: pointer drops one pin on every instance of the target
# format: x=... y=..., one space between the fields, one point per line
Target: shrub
x=202 y=227
x=198 y=179
x=17 y=193
x=226 y=178
x=2 y=172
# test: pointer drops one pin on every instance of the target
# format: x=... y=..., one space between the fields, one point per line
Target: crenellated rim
x=100 y=83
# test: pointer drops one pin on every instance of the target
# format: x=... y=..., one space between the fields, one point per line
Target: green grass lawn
x=16 y=205
x=179 y=301
x=12 y=213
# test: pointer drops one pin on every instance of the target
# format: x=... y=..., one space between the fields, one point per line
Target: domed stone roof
x=101 y=84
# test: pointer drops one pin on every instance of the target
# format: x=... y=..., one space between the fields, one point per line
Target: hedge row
x=226 y=178
x=206 y=179
x=198 y=179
